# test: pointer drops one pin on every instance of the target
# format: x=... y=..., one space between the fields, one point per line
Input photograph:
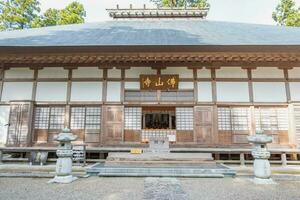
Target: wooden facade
x=216 y=121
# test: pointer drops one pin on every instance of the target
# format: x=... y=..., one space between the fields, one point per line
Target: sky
x=245 y=11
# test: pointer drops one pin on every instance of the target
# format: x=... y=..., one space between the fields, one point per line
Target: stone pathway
x=163 y=189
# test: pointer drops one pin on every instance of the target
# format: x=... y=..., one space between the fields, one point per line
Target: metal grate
x=133 y=116
x=184 y=118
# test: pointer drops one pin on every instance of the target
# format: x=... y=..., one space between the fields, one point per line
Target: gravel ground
x=147 y=188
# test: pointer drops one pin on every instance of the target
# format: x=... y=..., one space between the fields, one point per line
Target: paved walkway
x=148 y=189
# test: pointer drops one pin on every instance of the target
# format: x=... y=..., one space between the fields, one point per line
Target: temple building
x=151 y=73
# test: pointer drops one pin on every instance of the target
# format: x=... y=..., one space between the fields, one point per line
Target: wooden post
x=1 y=156
x=242 y=159
x=283 y=160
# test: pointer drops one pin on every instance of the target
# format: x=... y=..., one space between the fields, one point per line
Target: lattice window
x=57 y=117
x=77 y=117
x=184 y=118
x=41 y=117
x=133 y=118
x=240 y=119
x=271 y=119
x=49 y=117
x=224 y=119
x=88 y=118
x=93 y=118
x=233 y=119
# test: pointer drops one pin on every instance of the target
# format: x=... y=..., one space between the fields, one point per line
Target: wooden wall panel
x=203 y=124
x=225 y=137
x=40 y=135
x=112 y=124
x=132 y=136
x=92 y=138
x=80 y=134
x=184 y=136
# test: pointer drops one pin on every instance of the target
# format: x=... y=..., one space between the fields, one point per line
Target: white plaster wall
x=51 y=91
x=231 y=72
x=269 y=92
x=86 y=91
x=186 y=85
x=294 y=73
x=267 y=72
x=295 y=91
x=4 y=119
x=114 y=73
x=18 y=73
x=204 y=92
x=232 y=92
x=135 y=72
x=17 y=91
x=183 y=72
x=113 y=91
x=132 y=85
x=204 y=73
x=53 y=72
x=87 y=72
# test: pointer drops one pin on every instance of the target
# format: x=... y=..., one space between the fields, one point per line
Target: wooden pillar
x=122 y=85
x=195 y=85
x=2 y=72
x=250 y=85
x=35 y=77
x=287 y=85
x=104 y=85
x=253 y=124
x=214 y=85
x=68 y=107
x=1 y=156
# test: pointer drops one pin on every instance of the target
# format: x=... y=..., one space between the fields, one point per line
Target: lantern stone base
x=63 y=179
x=262 y=181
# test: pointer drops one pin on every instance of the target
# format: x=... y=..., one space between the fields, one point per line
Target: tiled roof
x=153 y=32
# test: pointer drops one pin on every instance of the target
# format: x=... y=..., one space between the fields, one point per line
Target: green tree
x=287 y=14
x=51 y=17
x=182 y=3
x=74 y=13
x=18 y=14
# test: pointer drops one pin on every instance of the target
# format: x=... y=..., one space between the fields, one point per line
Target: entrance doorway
x=159 y=118
x=19 y=126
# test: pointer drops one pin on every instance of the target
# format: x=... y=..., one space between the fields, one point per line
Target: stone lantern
x=262 y=169
x=64 y=153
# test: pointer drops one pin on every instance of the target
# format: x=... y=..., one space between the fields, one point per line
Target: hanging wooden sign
x=159 y=82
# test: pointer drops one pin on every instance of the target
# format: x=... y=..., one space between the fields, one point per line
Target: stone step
x=160 y=157
x=160 y=163
x=213 y=171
